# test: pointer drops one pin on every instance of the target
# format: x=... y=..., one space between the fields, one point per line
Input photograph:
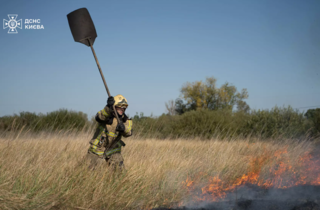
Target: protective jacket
x=106 y=140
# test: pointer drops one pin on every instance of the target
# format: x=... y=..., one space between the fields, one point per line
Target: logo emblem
x=12 y=24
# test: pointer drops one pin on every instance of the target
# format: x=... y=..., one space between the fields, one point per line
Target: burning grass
x=265 y=171
x=45 y=172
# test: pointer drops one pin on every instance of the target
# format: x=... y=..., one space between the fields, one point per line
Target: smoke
x=252 y=197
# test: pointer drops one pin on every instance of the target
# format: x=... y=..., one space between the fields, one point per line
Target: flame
x=282 y=174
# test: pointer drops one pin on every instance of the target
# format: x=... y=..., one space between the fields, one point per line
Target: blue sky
x=148 y=49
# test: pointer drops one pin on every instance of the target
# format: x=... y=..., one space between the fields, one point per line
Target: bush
x=277 y=122
x=62 y=119
x=313 y=116
x=65 y=120
x=206 y=124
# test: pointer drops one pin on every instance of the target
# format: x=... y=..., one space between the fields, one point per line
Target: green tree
x=206 y=95
x=243 y=106
x=313 y=115
x=180 y=106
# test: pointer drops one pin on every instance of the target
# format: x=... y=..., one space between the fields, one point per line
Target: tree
x=206 y=95
x=314 y=116
x=171 y=107
x=180 y=106
x=242 y=106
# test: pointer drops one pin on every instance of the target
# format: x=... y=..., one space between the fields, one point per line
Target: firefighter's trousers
x=114 y=161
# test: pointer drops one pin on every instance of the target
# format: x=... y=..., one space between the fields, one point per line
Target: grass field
x=45 y=171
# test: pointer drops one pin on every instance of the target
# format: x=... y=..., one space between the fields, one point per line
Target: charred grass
x=46 y=171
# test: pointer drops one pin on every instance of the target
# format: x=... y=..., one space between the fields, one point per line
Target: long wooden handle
x=104 y=81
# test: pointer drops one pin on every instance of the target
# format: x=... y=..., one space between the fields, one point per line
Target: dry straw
x=45 y=171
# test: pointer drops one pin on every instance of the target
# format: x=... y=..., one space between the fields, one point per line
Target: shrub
x=206 y=124
x=62 y=119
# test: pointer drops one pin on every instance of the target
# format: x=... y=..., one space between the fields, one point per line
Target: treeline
x=204 y=110
x=61 y=119
x=278 y=122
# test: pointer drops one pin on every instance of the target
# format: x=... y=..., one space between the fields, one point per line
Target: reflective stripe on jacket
x=106 y=139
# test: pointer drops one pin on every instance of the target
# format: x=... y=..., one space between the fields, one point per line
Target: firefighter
x=106 y=144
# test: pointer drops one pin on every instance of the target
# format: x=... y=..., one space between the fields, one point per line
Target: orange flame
x=282 y=175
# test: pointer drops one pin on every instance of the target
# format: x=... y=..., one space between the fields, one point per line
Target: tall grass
x=47 y=171
x=42 y=157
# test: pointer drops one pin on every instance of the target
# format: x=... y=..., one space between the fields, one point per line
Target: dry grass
x=44 y=172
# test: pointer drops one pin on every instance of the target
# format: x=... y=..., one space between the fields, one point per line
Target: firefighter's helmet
x=120 y=101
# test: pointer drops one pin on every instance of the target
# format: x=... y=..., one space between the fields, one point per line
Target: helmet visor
x=124 y=106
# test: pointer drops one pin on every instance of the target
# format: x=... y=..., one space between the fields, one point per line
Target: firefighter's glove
x=109 y=120
x=120 y=127
x=110 y=102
